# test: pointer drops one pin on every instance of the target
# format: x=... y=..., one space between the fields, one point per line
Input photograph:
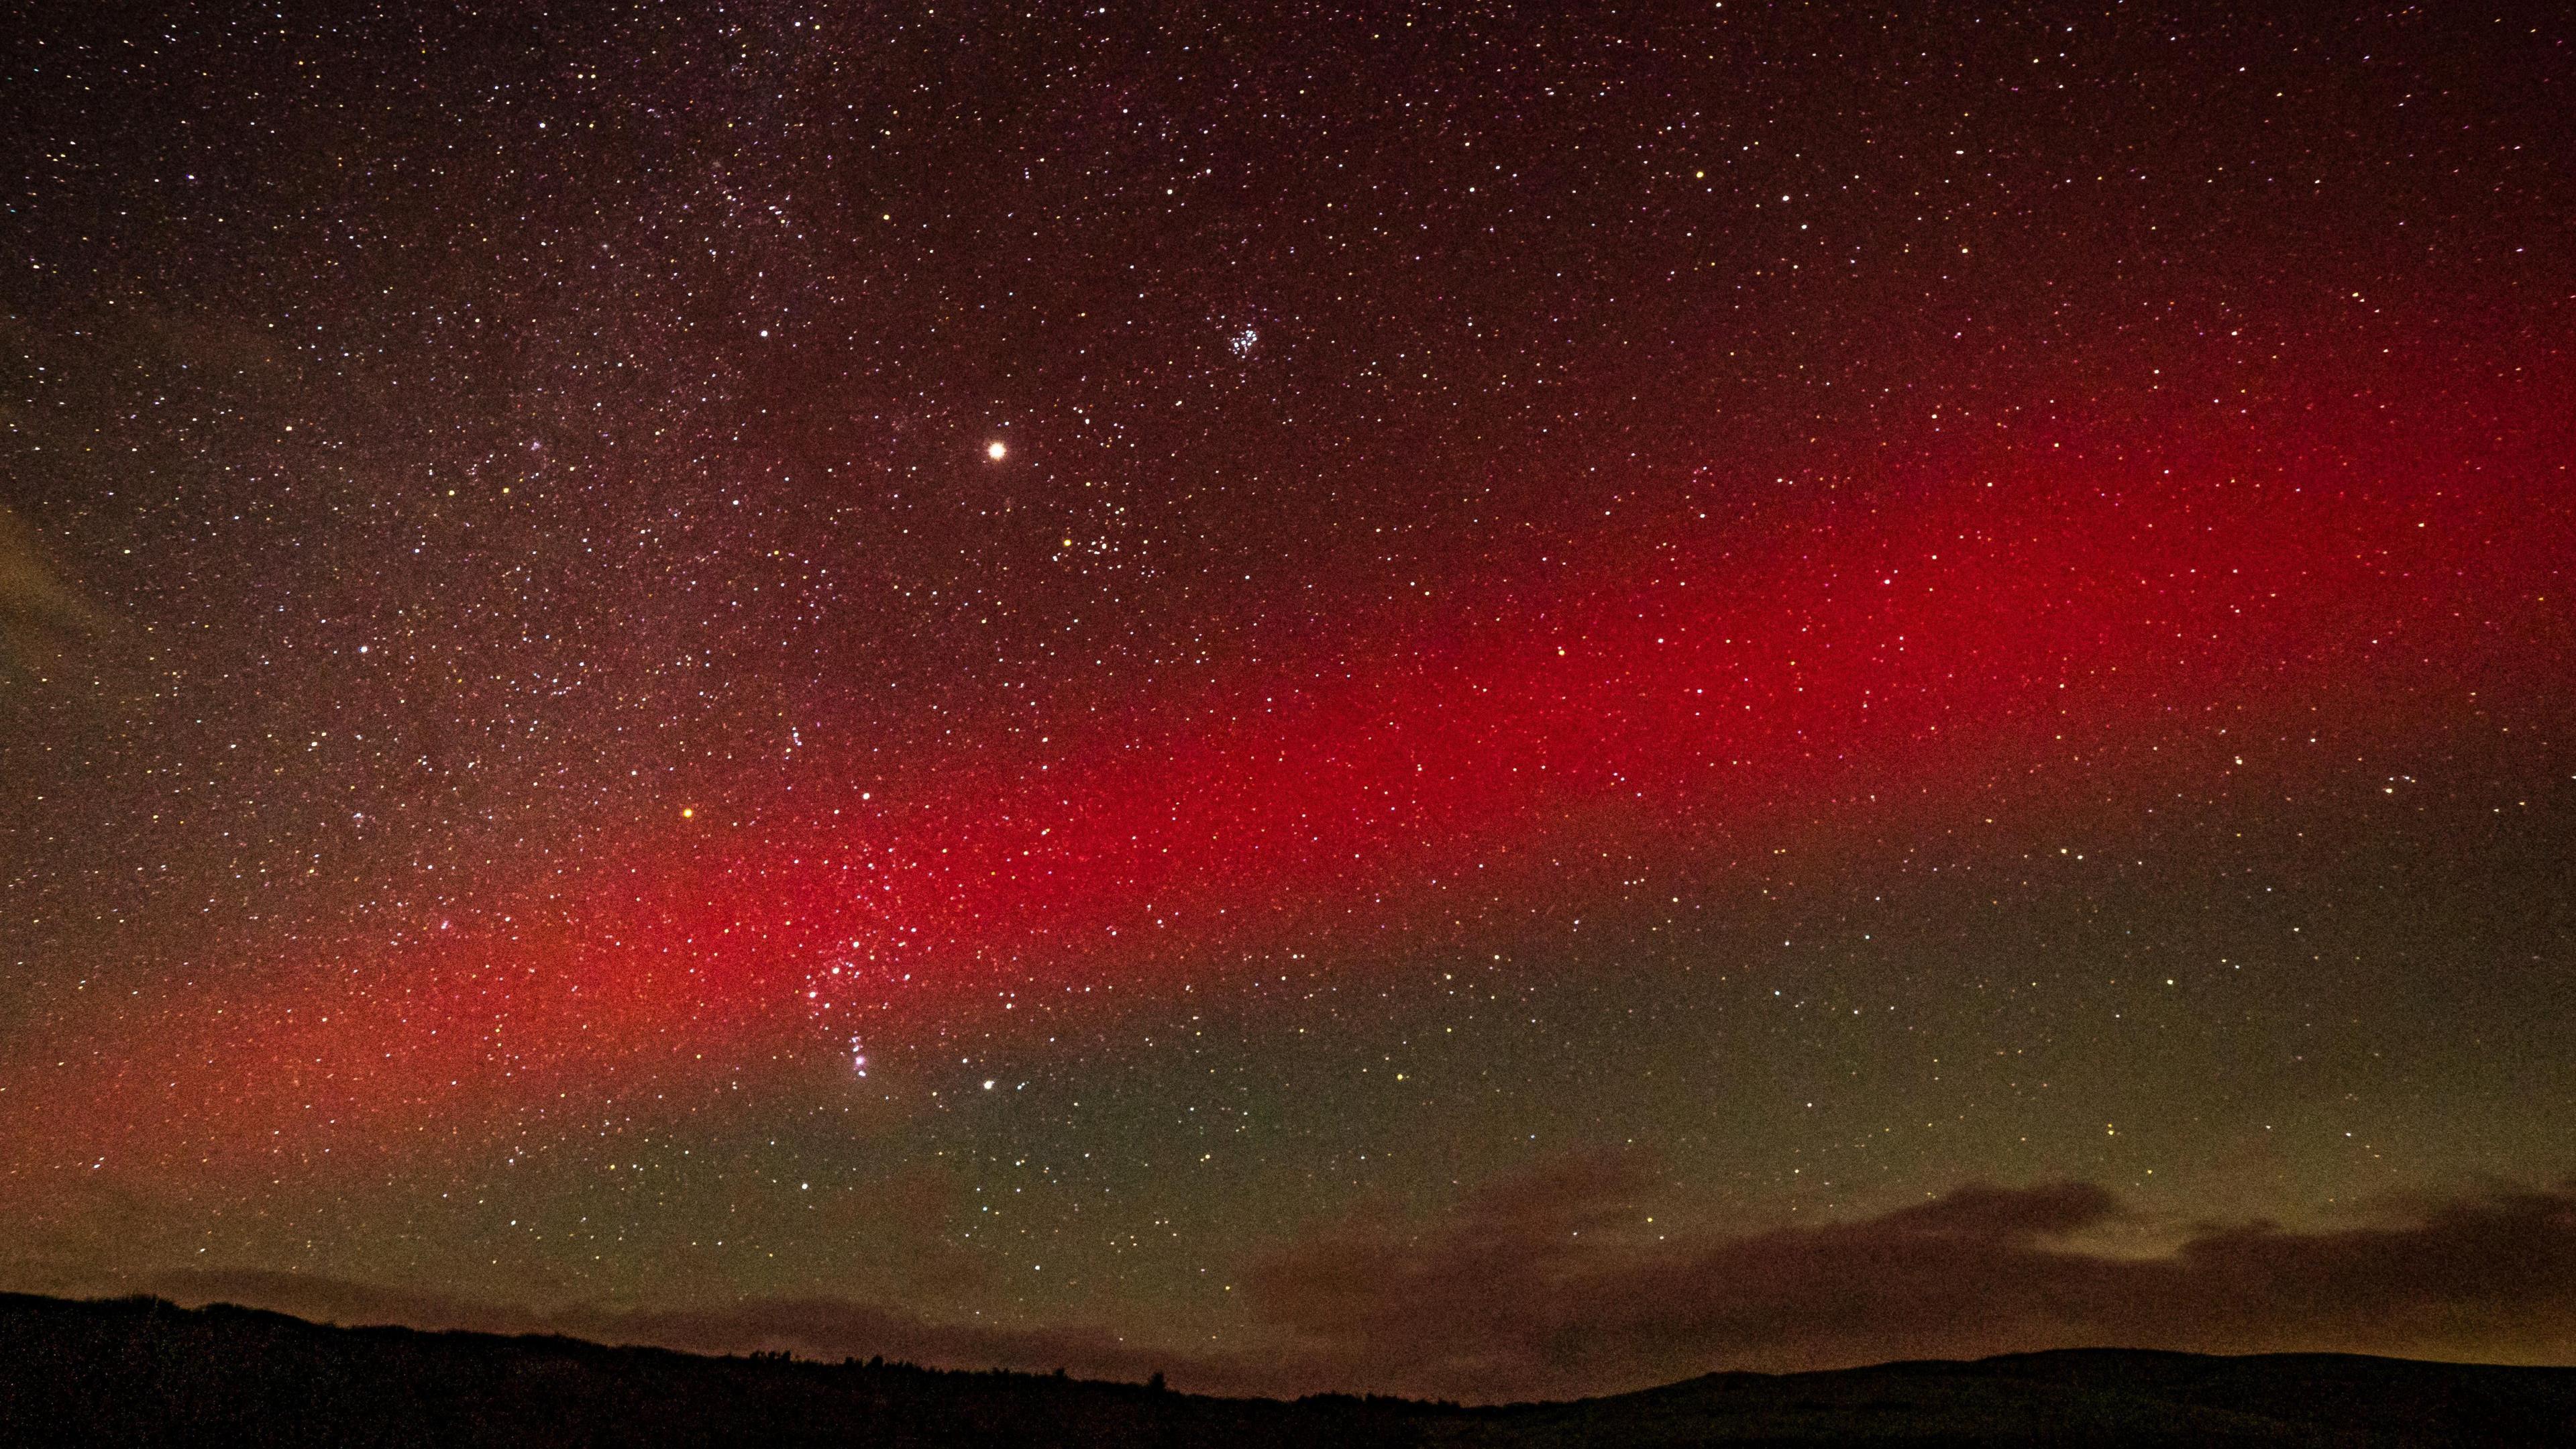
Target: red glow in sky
x=1684 y=704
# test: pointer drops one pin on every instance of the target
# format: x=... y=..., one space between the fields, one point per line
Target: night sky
x=1472 y=700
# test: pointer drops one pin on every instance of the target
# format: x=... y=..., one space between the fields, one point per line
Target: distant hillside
x=141 y=1371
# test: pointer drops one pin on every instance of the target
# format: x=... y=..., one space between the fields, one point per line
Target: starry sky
x=1480 y=700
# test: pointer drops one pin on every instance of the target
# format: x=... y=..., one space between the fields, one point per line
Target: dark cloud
x=1546 y=1286
x=40 y=615
x=1552 y=1285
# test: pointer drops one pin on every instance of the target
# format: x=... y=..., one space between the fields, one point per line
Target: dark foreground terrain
x=141 y=1371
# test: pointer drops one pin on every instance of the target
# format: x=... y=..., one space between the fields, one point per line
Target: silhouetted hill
x=142 y=1371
